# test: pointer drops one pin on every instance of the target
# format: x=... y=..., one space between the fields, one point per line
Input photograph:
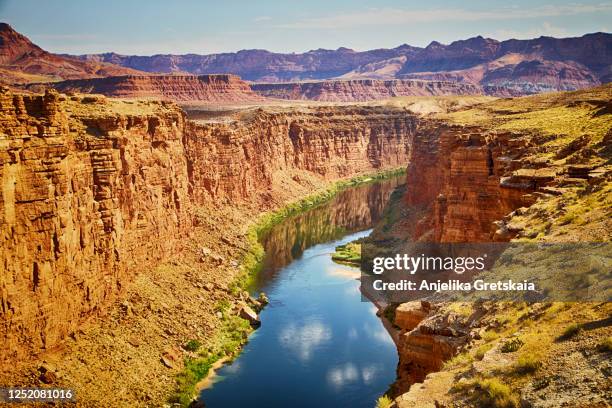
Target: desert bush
x=496 y=394
x=481 y=351
x=512 y=345
x=527 y=364
x=383 y=402
x=605 y=345
x=192 y=345
x=570 y=331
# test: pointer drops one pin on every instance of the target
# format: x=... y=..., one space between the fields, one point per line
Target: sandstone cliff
x=358 y=90
x=95 y=191
x=183 y=88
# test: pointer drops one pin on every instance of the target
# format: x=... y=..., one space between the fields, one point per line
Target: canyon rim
x=198 y=227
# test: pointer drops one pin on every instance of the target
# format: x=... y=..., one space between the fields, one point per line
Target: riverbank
x=234 y=333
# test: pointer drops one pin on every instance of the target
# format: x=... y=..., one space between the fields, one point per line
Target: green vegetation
x=512 y=345
x=192 y=345
x=348 y=254
x=383 y=402
x=234 y=332
x=229 y=339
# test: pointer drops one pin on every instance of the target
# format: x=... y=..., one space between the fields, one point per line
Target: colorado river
x=319 y=344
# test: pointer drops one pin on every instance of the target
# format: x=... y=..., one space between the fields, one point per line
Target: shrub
x=570 y=331
x=192 y=345
x=605 y=345
x=496 y=394
x=512 y=345
x=383 y=402
x=527 y=364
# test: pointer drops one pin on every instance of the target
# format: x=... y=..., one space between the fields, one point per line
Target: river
x=319 y=344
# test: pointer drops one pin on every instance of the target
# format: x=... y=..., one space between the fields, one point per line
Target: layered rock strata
x=359 y=90
x=95 y=191
x=181 y=88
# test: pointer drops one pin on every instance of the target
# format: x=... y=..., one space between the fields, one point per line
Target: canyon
x=95 y=190
x=98 y=194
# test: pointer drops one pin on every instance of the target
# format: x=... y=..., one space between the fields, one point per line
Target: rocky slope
x=500 y=171
x=21 y=61
x=95 y=191
x=359 y=90
x=218 y=88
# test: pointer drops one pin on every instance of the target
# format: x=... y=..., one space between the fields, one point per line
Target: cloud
x=303 y=340
x=399 y=16
x=259 y=19
x=342 y=375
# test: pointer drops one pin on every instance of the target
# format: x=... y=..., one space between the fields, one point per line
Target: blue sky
x=182 y=26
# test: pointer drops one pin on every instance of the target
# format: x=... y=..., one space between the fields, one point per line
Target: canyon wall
x=95 y=191
x=458 y=175
x=183 y=88
x=266 y=149
x=359 y=90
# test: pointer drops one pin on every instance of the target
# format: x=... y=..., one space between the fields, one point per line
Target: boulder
x=249 y=314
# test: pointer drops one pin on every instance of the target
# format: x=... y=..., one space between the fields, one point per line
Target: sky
x=146 y=27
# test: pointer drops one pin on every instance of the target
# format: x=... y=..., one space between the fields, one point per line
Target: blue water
x=319 y=344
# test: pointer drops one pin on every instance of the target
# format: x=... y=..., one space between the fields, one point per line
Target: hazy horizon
x=189 y=26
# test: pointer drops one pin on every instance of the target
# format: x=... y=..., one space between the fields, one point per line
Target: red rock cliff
x=206 y=88
x=95 y=191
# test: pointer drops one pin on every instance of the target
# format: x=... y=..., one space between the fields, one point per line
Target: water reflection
x=352 y=210
x=303 y=340
x=319 y=344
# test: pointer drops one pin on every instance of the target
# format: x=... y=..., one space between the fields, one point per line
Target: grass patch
x=605 y=345
x=482 y=350
x=496 y=394
x=460 y=360
x=348 y=254
x=383 y=402
x=570 y=331
x=527 y=364
x=192 y=345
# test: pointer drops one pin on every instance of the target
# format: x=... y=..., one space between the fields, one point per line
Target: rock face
x=95 y=191
x=456 y=175
x=202 y=88
x=362 y=89
x=21 y=61
x=241 y=159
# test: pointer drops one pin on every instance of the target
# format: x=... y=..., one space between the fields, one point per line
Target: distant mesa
x=222 y=88
x=359 y=90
